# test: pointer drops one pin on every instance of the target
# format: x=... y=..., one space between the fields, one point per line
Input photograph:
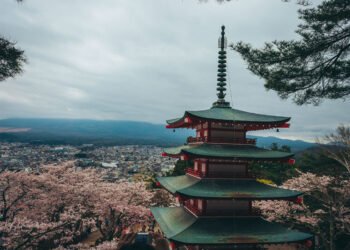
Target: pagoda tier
x=238 y=189
x=227 y=151
x=228 y=116
x=182 y=227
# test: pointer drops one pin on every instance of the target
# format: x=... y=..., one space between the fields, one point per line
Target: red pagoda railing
x=221 y=140
x=194 y=172
x=197 y=139
x=192 y=208
x=198 y=173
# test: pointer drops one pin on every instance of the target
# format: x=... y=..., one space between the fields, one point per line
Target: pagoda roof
x=228 y=151
x=181 y=226
x=228 y=114
x=243 y=189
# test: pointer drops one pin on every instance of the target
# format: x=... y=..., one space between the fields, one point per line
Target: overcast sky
x=147 y=60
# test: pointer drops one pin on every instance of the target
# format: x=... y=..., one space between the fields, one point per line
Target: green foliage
x=276 y=172
x=11 y=59
x=283 y=148
x=314 y=68
x=319 y=163
x=180 y=168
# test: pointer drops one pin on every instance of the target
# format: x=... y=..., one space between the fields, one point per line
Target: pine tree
x=11 y=59
x=311 y=69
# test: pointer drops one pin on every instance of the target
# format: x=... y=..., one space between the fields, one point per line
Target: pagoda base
x=183 y=228
x=290 y=246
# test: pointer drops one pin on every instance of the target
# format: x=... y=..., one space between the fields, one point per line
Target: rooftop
x=228 y=151
x=239 y=189
x=180 y=226
x=229 y=115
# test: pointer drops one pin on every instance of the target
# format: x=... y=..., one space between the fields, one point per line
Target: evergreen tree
x=11 y=59
x=311 y=69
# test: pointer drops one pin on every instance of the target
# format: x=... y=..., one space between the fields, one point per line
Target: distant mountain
x=295 y=145
x=76 y=131
x=108 y=132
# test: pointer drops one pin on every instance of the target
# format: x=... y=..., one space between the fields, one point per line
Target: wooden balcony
x=221 y=140
x=212 y=174
x=191 y=171
x=230 y=175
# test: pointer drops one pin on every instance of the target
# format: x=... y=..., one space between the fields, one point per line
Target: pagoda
x=218 y=189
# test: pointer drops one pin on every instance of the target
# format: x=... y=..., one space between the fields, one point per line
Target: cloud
x=136 y=60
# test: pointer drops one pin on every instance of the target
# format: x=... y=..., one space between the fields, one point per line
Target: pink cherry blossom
x=62 y=205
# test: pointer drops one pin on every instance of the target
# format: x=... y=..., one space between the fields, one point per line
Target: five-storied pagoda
x=217 y=192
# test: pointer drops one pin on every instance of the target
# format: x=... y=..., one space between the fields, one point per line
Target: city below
x=120 y=162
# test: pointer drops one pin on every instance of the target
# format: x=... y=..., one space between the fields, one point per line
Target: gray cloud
x=146 y=60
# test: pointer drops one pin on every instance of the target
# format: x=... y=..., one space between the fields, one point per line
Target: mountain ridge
x=109 y=132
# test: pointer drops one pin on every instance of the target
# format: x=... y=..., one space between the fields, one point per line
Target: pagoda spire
x=221 y=85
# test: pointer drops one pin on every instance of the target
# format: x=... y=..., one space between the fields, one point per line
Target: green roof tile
x=232 y=115
x=224 y=188
x=228 y=151
x=180 y=226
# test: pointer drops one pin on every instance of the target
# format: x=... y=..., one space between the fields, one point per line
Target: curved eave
x=180 y=226
x=173 y=121
x=259 y=118
x=227 y=115
x=247 y=152
x=238 y=189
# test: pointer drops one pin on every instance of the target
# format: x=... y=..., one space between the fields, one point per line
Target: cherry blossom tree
x=162 y=198
x=325 y=210
x=14 y=189
x=61 y=205
x=338 y=147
